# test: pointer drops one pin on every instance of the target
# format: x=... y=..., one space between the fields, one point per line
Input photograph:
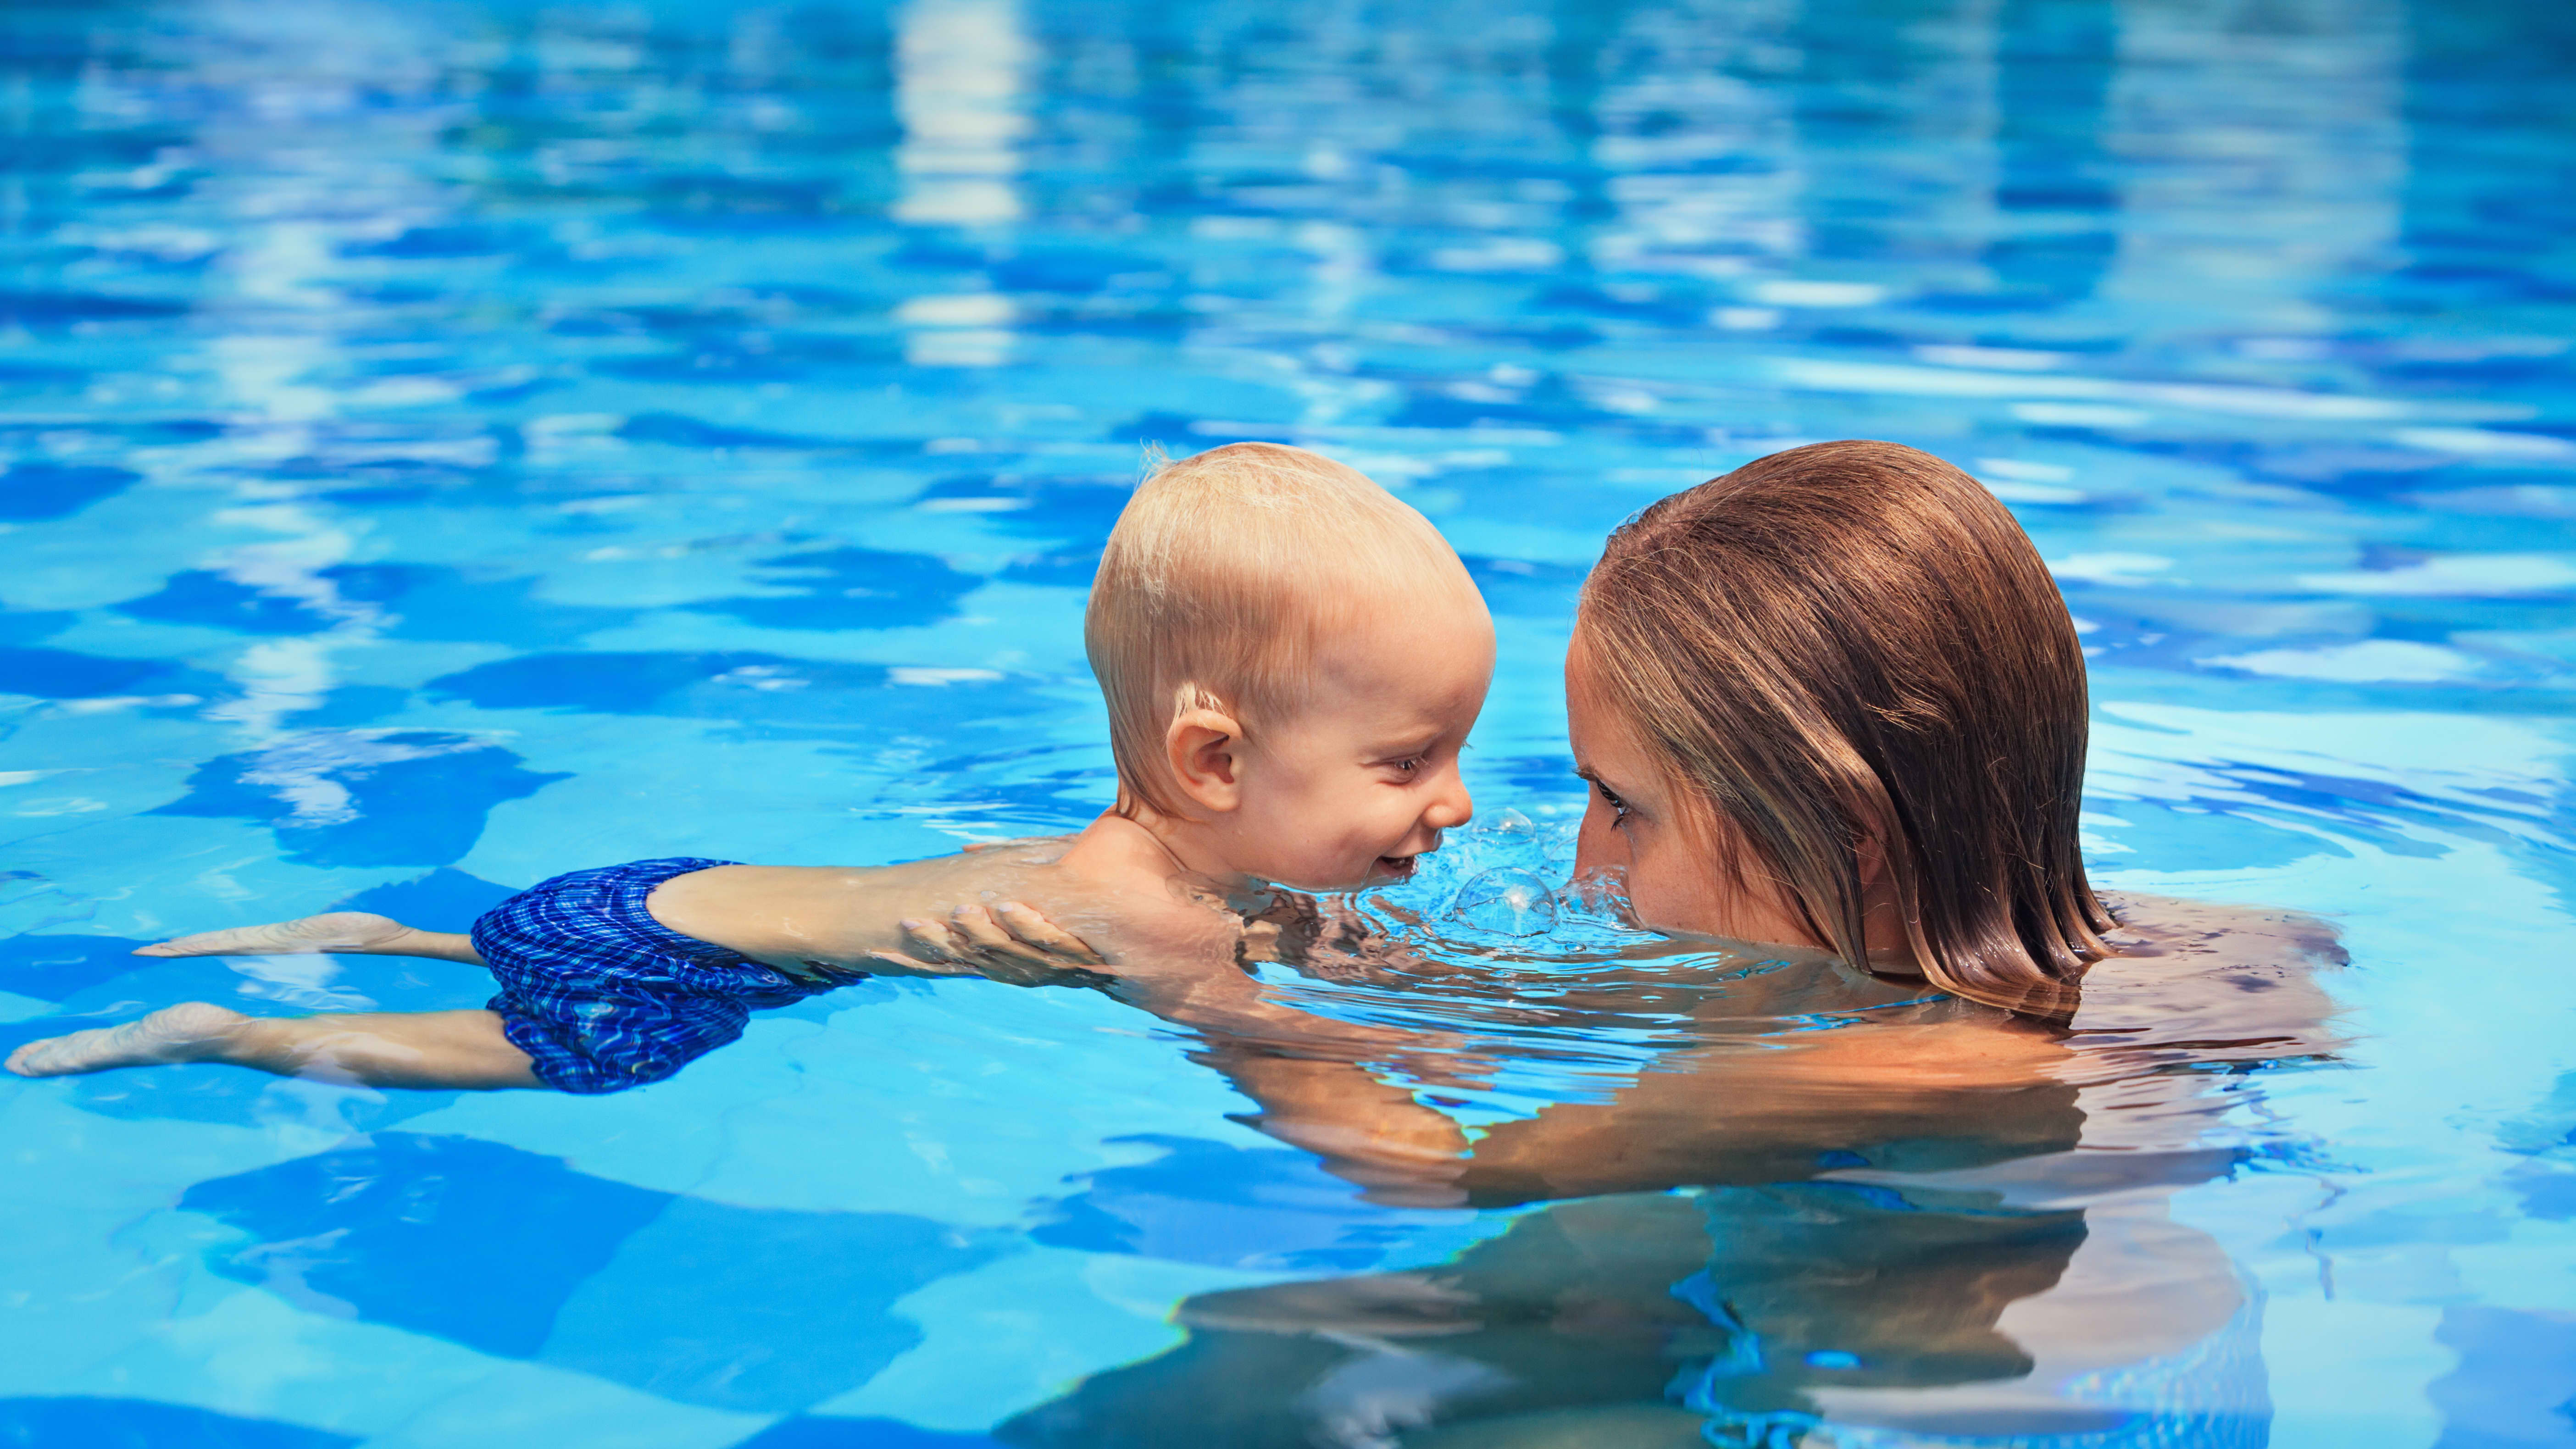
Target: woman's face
x=1639 y=828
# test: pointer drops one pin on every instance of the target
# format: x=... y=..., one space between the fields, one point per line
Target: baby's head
x=1292 y=660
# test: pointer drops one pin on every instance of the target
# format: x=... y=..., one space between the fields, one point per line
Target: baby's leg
x=354 y=933
x=376 y=1049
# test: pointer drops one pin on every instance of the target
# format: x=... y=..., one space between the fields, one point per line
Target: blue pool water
x=448 y=443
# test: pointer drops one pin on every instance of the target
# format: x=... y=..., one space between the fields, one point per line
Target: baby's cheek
x=1358 y=850
x=1347 y=845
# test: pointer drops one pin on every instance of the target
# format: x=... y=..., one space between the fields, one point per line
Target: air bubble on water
x=1507 y=901
x=1513 y=822
x=1600 y=893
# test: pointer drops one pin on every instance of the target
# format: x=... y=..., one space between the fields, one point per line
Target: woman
x=1832 y=698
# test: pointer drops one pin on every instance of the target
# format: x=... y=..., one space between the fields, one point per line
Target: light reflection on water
x=455 y=442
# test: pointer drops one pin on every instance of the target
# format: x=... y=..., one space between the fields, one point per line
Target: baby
x=1292 y=660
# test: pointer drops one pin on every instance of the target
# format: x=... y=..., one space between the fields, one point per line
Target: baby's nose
x=1454 y=808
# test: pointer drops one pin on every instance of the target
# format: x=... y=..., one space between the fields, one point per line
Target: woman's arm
x=1366 y=1131
x=1311 y=1075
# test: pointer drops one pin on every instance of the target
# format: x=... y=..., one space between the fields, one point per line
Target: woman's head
x=1843 y=703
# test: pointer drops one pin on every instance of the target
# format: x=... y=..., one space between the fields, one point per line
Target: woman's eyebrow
x=1593 y=776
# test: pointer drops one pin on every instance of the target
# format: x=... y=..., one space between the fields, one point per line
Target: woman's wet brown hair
x=1854 y=641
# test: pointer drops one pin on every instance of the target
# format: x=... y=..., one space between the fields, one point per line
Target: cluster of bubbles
x=1506 y=901
x=1504 y=881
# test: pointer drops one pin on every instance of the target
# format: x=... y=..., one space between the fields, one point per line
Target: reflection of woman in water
x=1830 y=700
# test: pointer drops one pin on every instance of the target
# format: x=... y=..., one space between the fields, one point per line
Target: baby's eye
x=1408 y=766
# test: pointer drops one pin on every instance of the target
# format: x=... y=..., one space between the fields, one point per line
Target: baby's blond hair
x=1226 y=573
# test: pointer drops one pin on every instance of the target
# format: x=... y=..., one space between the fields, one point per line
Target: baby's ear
x=1203 y=748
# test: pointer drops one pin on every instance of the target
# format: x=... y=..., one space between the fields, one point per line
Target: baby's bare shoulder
x=1136 y=917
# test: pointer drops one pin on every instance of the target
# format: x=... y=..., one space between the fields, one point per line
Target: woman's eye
x=1618 y=807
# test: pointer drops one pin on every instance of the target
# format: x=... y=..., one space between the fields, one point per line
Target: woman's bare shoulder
x=2211 y=934
x=2220 y=982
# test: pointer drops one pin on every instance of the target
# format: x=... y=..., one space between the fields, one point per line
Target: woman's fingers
x=981 y=932
x=977 y=925
x=996 y=952
x=935 y=942
x=1054 y=942
x=1007 y=954
x=1020 y=948
x=970 y=940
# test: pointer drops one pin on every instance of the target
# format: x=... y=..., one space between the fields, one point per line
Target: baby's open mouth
x=1398 y=865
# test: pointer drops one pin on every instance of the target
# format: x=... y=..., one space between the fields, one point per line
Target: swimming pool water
x=448 y=443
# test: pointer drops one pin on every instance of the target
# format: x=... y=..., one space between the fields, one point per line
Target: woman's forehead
x=1607 y=744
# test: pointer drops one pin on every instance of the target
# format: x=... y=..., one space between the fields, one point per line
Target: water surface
x=449 y=443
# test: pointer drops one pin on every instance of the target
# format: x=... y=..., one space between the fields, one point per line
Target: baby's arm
x=840 y=923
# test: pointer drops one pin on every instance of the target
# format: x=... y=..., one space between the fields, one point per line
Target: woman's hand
x=1011 y=943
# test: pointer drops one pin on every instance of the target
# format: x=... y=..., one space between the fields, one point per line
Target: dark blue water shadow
x=817 y=1432
x=67 y=674
x=2515 y=1386
x=722 y=683
x=413 y=797
x=1206 y=1202
x=26 y=626
x=850 y=588
x=427 y=601
x=520 y=1256
x=445 y=899
x=196 y=596
x=36 y=492
x=57 y=968
x=82 y=1422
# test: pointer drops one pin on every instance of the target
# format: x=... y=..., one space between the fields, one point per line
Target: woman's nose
x=1596 y=846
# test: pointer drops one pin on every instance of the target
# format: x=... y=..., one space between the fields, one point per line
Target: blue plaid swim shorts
x=603 y=997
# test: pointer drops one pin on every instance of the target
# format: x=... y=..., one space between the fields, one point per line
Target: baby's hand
x=1021 y=948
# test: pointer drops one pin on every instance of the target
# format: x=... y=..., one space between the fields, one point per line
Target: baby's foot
x=188 y=1032
x=333 y=931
